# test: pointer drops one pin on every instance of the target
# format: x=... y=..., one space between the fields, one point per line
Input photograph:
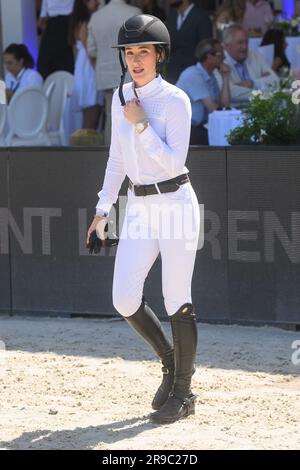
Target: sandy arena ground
x=88 y=384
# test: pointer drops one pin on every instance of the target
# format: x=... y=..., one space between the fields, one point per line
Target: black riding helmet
x=139 y=30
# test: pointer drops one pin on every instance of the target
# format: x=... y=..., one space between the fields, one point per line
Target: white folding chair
x=57 y=97
x=48 y=91
x=27 y=118
x=55 y=77
x=268 y=53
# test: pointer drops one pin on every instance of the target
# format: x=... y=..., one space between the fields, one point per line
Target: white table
x=292 y=50
x=221 y=123
x=2 y=93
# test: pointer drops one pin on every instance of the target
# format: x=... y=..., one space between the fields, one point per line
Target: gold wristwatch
x=141 y=126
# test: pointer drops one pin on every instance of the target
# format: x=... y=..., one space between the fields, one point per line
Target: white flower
x=265 y=96
x=256 y=92
x=261 y=95
x=262 y=133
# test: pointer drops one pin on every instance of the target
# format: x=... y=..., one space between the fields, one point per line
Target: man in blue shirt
x=200 y=84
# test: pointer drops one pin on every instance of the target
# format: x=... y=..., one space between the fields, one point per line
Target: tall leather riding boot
x=146 y=323
x=181 y=401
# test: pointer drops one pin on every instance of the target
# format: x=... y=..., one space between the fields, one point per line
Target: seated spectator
x=19 y=64
x=248 y=69
x=276 y=37
x=230 y=12
x=199 y=83
x=258 y=16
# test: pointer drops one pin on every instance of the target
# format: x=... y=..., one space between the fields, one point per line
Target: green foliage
x=269 y=119
x=289 y=27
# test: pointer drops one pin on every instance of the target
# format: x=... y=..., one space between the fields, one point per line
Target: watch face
x=140 y=126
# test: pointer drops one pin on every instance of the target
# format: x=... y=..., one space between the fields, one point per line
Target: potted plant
x=270 y=118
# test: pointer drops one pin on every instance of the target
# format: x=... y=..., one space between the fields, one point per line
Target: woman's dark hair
x=163 y=57
x=20 y=51
x=81 y=14
x=276 y=37
x=205 y=47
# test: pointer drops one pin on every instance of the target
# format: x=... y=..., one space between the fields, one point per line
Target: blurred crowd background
x=60 y=78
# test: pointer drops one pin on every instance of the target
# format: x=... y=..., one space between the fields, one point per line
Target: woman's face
x=92 y=5
x=141 y=62
x=13 y=65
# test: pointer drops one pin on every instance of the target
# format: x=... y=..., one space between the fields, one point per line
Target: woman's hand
x=134 y=112
x=98 y=224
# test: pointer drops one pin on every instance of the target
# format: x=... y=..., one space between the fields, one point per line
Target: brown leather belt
x=167 y=186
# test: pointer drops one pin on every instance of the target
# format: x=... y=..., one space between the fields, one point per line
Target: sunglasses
x=217 y=53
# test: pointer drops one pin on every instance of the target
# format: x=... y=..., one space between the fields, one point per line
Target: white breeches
x=168 y=224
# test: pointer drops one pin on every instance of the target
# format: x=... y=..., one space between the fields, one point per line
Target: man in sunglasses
x=200 y=84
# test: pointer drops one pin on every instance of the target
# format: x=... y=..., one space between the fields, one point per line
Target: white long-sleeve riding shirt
x=159 y=152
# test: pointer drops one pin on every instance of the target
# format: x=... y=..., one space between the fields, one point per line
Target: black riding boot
x=146 y=323
x=181 y=402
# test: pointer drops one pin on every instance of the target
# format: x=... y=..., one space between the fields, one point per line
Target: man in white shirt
x=55 y=52
x=103 y=32
x=249 y=69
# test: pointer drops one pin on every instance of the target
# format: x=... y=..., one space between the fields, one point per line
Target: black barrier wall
x=248 y=269
x=264 y=234
x=53 y=202
x=5 y=288
x=210 y=281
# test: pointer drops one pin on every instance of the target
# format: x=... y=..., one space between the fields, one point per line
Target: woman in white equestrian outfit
x=151 y=121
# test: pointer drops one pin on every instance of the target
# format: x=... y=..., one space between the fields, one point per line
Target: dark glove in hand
x=95 y=244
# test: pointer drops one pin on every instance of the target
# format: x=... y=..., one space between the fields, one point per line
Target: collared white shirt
x=24 y=79
x=181 y=18
x=159 y=152
x=230 y=60
x=56 y=7
x=263 y=77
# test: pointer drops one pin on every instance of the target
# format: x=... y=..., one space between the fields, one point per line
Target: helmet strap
x=124 y=70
